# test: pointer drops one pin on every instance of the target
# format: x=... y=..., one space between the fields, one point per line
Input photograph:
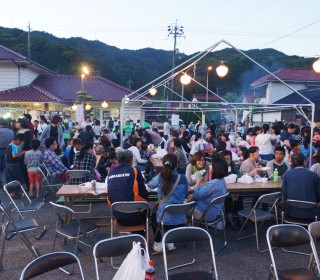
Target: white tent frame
x=138 y=95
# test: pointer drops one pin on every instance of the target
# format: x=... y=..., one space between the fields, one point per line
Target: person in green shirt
x=127 y=127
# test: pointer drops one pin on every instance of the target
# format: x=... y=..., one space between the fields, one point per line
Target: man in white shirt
x=166 y=130
x=264 y=143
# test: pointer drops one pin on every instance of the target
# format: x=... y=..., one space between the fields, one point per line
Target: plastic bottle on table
x=150 y=272
x=275 y=176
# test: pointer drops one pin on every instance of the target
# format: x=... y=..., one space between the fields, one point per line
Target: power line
x=291 y=33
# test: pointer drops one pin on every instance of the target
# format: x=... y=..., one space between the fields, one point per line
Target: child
x=32 y=160
x=14 y=160
x=238 y=139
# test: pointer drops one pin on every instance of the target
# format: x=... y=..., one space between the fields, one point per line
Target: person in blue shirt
x=203 y=194
x=165 y=182
x=305 y=149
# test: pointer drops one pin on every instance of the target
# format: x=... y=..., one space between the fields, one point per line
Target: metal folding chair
x=290 y=235
x=70 y=226
x=130 y=207
x=24 y=204
x=220 y=218
x=49 y=183
x=177 y=209
x=188 y=234
x=257 y=215
x=76 y=177
x=9 y=227
x=49 y=262
x=299 y=205
x=114 y=247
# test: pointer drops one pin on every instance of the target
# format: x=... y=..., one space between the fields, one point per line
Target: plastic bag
x=134 y=265
x=245 y=179
x=232 y=178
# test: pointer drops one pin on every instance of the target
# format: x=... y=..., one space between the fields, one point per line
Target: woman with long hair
x=85 y=160
x=172 y=189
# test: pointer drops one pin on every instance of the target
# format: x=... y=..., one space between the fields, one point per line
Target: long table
x=241 y=189
x=80 y=190
x=268 y=186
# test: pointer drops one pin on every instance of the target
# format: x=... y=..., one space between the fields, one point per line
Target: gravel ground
x=239 y=260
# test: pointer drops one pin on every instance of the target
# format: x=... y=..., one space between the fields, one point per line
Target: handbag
x=156 y=206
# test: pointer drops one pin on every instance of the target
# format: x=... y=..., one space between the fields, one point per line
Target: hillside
x=141 y=66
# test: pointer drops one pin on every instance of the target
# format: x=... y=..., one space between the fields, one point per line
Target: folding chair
x=177 y=209
x=49 y=183
x=73 y=229
x=298 y=205
x=49 y=262
x=24 y=204
x=188 y=234
x=19 y=227
x=76 y=177
x=290 y=235
x=130 y=207
x=114 y=247
x=256 y=215
x=220 y=218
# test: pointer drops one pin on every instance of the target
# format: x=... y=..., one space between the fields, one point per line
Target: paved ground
x=238 y=261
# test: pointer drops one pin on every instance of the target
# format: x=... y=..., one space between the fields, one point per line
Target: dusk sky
x=290 y=26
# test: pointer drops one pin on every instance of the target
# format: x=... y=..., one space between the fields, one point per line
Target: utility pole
x=29 y=41
x=176 y=32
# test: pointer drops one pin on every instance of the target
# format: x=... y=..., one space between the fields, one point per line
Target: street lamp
x=185 y=79
x=74 y=107
x=316 y=65
x=222 y=70
x=84 y=72
x=209 y=68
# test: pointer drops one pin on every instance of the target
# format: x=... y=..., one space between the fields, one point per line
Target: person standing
x=14 y=156
x=53 y=131
x=264 y=143
x=28 y=118
x=166 y=130
x=6 y=136
x=33 y=158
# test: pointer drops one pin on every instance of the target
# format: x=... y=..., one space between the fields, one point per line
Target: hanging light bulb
x=153 y=91
x=74 y=107
x=222 y=70
x=105 y=104
x=126 y=100
x=316 y=65
x=88 y=107
x=185 y=79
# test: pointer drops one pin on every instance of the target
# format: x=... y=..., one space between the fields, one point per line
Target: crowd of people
x=198 y=160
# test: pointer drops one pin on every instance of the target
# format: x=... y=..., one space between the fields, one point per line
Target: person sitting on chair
x=125 y=183
x=172 y=189
x=299 y=183
x=52 y=161
x=204 y=193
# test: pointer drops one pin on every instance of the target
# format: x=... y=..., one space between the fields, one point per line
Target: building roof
x=203 y=98
x=10 y=55
x=66 y=86
x=312 y=94
x=289 y=75
x=7 y=54
x=29 y=93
